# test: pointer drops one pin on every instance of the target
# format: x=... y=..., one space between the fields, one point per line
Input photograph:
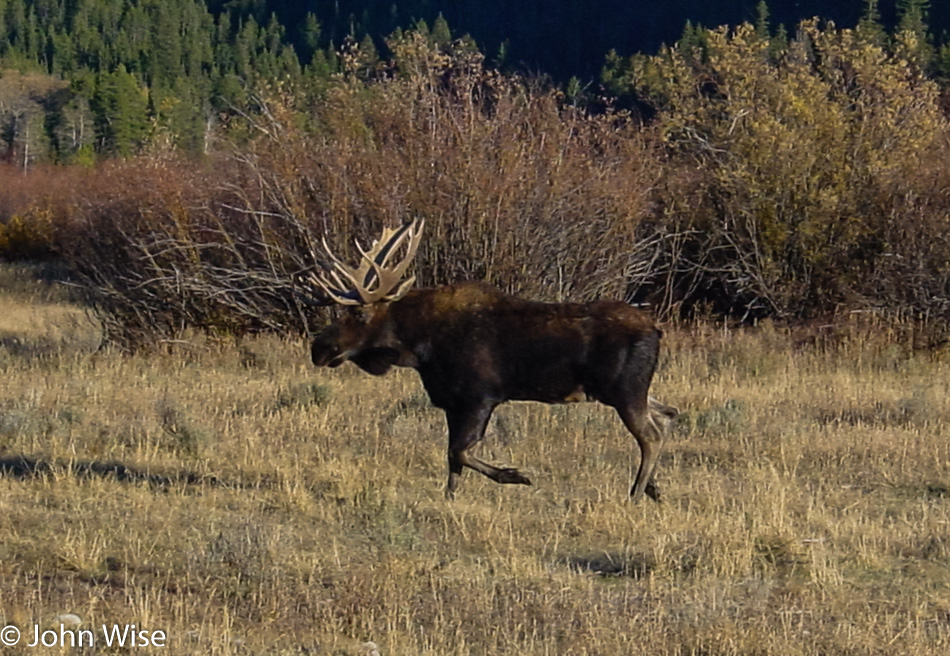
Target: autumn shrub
x=818 y=166
x=32 y=206
x=135 y=242
x=516 y=188
x=26 y=236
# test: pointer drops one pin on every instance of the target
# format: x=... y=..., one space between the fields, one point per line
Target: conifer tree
x=913 y=20
x=762 y=28
x=441 y=34
x=869 y=25
x=165 y=47
x=16 y=25
x=310 y=34
x=121 y=107
x=4 y=37
x=245 y=48
x=913 y=16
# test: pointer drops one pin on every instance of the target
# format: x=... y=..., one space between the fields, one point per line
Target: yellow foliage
x=794 y=143
x=27 y=236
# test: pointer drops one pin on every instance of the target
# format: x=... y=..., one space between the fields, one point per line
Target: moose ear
x=376 y=361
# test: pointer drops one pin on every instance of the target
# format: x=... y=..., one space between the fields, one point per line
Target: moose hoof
x=513 y=476
x=651 y=490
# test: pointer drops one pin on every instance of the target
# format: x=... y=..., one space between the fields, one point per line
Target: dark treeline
x=566 y=38
x=83 y=79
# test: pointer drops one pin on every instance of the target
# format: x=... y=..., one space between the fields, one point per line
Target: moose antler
x=374 y=281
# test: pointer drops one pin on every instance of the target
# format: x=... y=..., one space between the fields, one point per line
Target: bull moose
x=476 y=347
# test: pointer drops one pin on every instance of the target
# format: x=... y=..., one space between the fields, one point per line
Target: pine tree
x=165 y=48
x=913 y=16
x=422 y=28
x=289 y=64
x=869 y=26
x=245 y=49
x=273 y=35
x=762 y=28
x=693 y=39
x=185 y=112
x=4 y=37
x=310 y=34
x=913 y=20
x=942 y=64
x=778 y=44
x=34 y=41
x=441 y=34
x=16 y=26
x=318 y=73
x=222 y=45
x=367 y=57
x=197 y=49
x=121 y=107
x=228 y=91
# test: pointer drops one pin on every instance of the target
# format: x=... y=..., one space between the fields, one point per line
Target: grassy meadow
x=243 y=502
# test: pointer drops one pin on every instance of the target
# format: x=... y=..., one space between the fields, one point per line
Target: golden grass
x=243 y=502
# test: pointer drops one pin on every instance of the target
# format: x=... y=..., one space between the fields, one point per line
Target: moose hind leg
x=650 y=440
x=466 y=428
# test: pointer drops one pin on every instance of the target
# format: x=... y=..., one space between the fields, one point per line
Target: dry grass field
x=243 y=502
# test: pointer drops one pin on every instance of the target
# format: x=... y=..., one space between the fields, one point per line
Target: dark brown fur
x=476 y=347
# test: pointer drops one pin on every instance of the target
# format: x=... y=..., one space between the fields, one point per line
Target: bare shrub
x=516 y=189
x=132 y=242
x=779 y=179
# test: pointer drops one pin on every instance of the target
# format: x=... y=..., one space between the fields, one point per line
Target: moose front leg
x=466 y=428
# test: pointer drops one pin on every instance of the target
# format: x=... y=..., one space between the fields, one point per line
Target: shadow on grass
x=23 y=467
x=634 y=566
